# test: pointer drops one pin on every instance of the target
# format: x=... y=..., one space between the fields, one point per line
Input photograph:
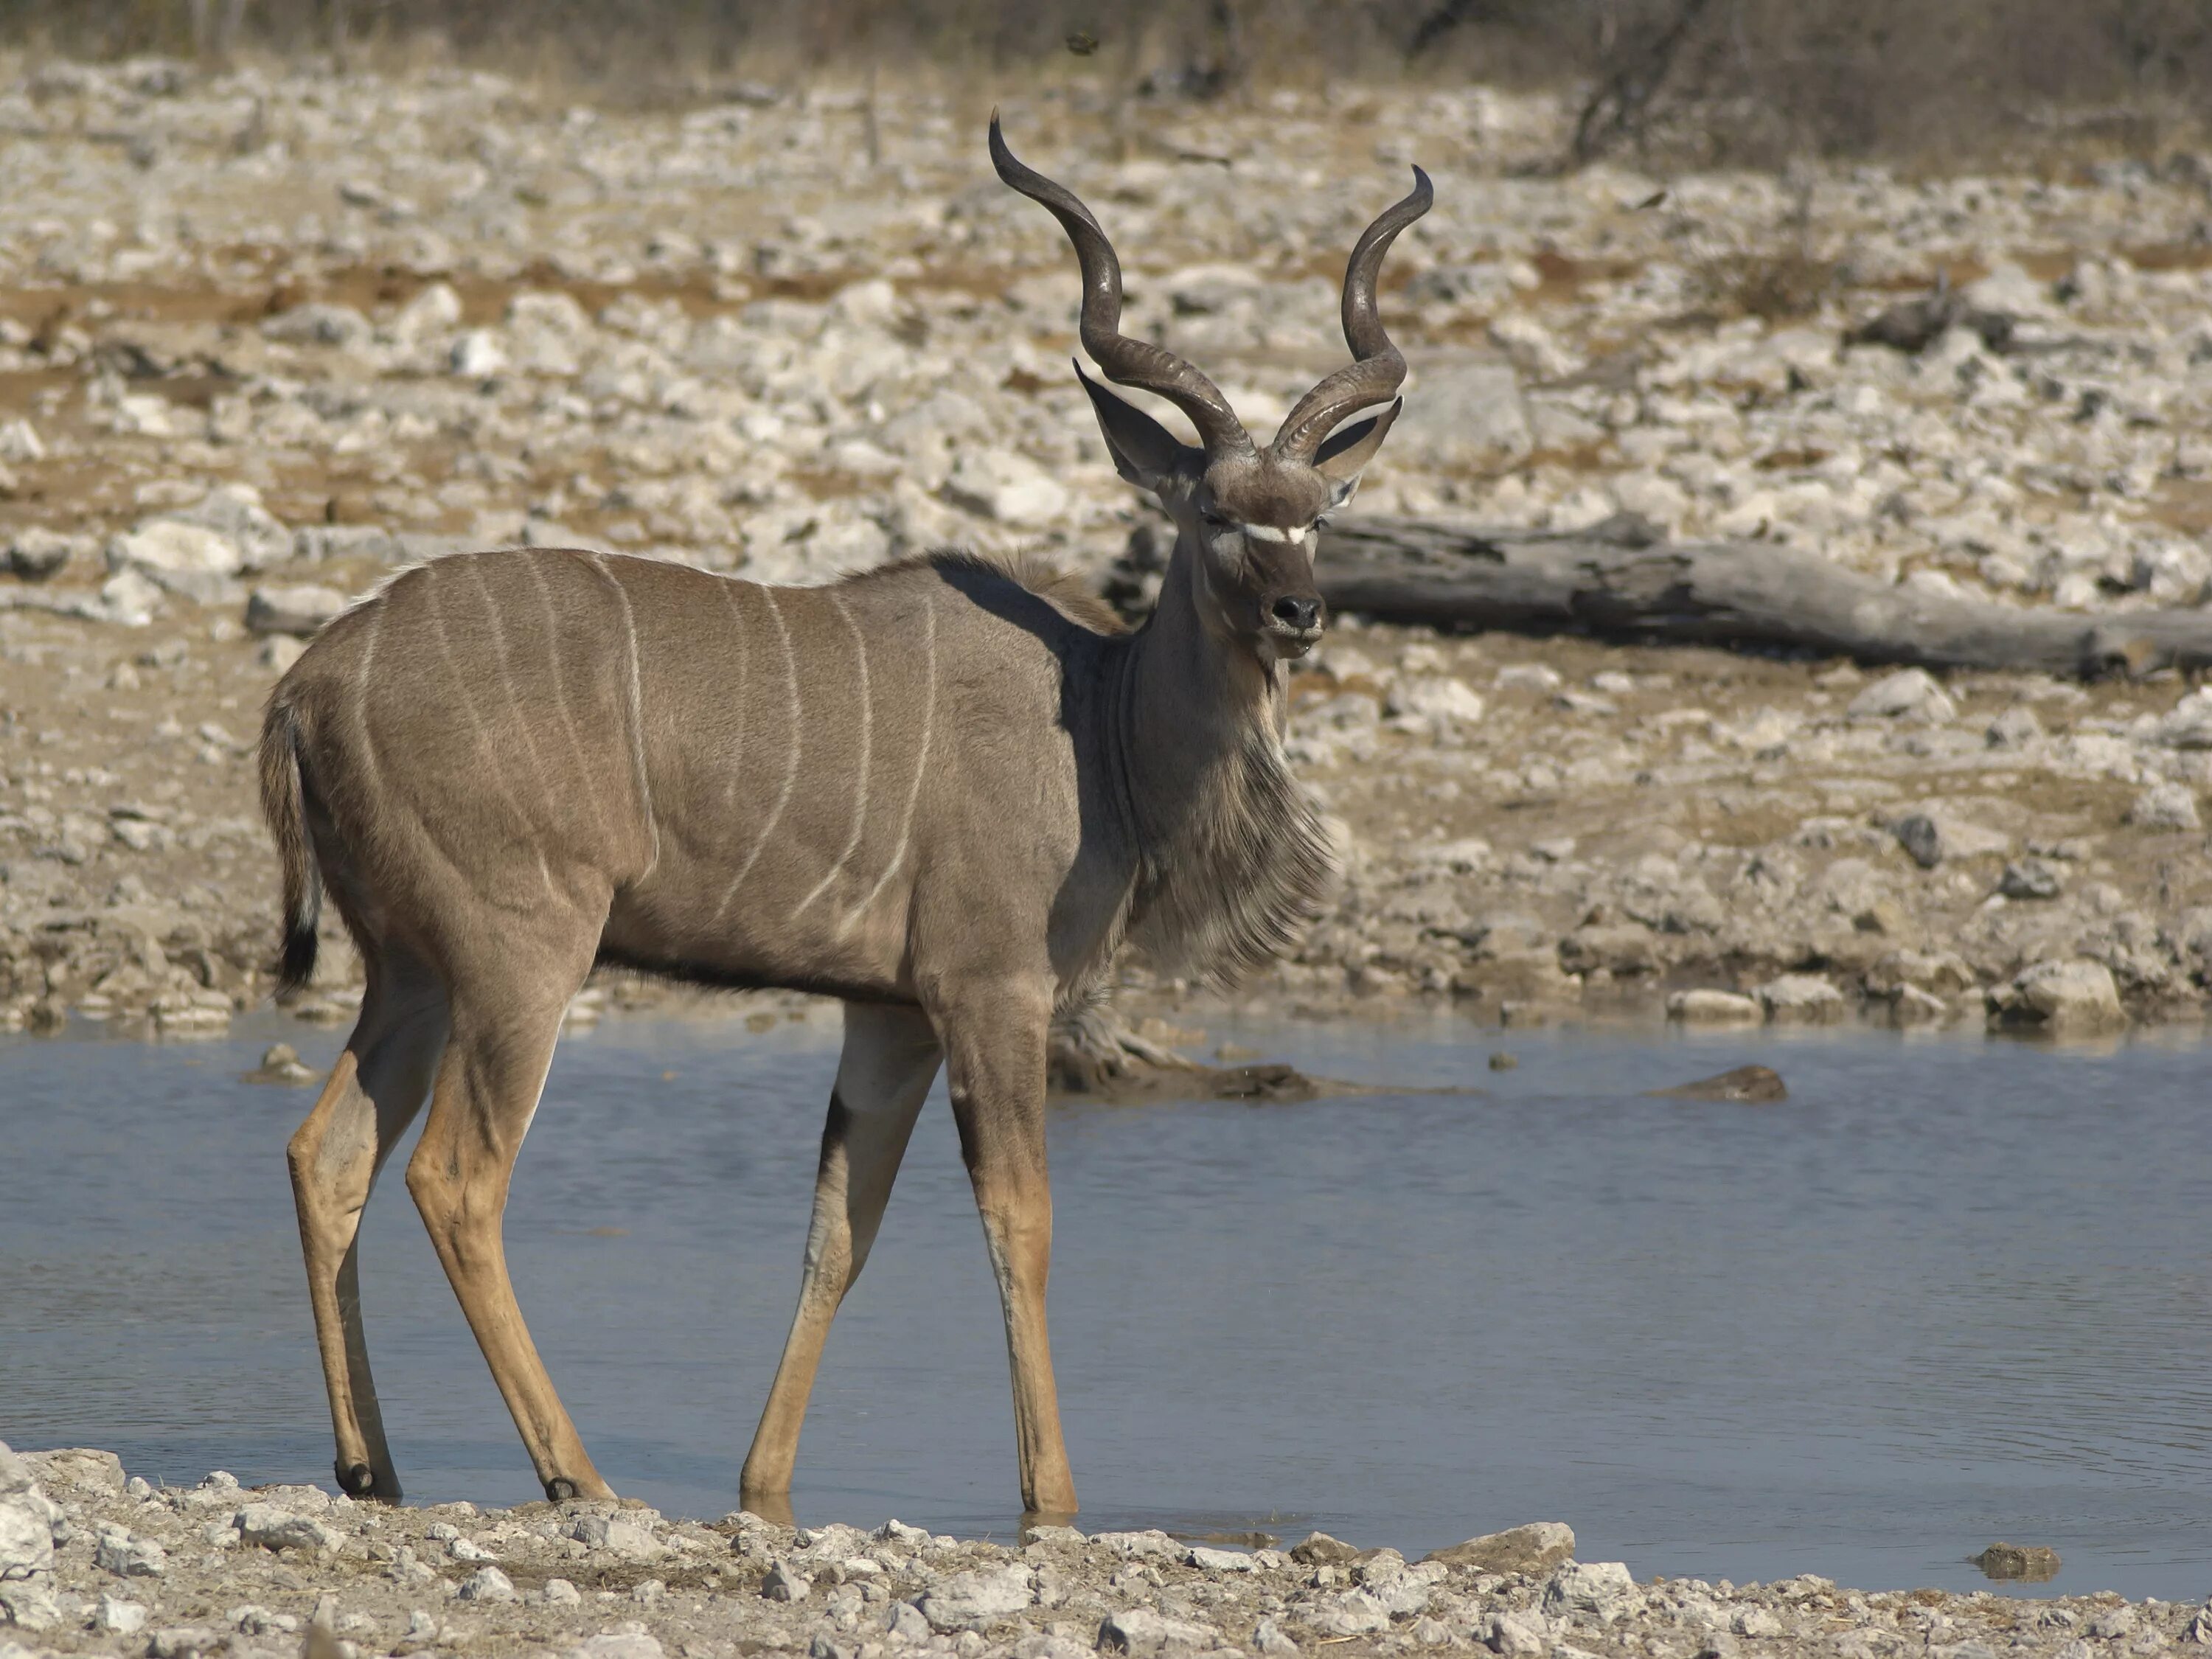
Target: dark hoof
x=560 y=1489
x=359 y=1480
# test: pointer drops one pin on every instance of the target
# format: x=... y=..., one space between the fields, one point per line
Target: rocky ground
x=92 y=1563
x=265 y=335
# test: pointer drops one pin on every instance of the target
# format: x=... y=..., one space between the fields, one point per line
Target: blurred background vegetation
x=1690 y=81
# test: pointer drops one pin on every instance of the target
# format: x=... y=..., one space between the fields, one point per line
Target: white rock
x=1140 y=1631
x=26 y=1542
x=1910 y=694
x=2190 y=724
x=872 y=303
x=1150 y=1542
x=1517 y=1634
x=28 y=1604
x=618 y=1644
x=186 y=558
x=1801 y=998
x=127 y=1556
x=903 y=1623
x=20 y=442
x=1605 y=1589
x=1704 y=1006
x=1006 y=487
x=784 y=1582
x=2165 y=806
x=235 y=512
x=560 y=1593
x=2014 y=728
x=2073 y=997
x=486 y=1584
x=145 y=414
x=1355 y=1612
x=434 y=311
x=76 y=1465
x=131 y=599
x=301 y=610
x=1212 y=1560
x=122 y=1618
x=616 y=1533
x=970 y=1600
x=477 y=355
x=1436 y=699
x=273 y=1527
x=1528 y=677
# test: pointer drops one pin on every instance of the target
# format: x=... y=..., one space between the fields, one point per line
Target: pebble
x=1515 y=1592
x=1705 y=1006
x=1911 y=694
x=2033 y=1562
x=2030 y=879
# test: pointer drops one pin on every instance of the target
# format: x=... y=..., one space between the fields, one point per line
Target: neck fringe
x=1237 y=881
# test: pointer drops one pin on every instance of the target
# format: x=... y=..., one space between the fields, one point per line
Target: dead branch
x=1619 y=580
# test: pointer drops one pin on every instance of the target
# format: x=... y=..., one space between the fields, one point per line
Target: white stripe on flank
x=791 y=770
x=361 y=686
x=744 y=669
x=561 y=693
x=524 y=725
x=636 y=714
x=920 y=767
x=492 y=764
x=860 y=788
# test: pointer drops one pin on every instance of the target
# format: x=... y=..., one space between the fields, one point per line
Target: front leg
x=890 y=1059
x=994 y=1041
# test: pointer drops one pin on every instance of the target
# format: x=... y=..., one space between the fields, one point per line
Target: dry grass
x=1669 y=82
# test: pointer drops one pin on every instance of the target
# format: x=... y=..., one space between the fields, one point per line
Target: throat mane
x=1234 y=878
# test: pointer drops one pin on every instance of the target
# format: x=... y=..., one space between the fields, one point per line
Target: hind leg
x=486 y=1092
x=374 y=1093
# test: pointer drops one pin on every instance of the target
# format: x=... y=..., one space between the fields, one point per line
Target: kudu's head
x=1249 y=513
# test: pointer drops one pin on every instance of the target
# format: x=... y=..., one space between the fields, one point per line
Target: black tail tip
x=297 y=966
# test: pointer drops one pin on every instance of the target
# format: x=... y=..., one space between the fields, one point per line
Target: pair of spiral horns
x=1373 y=376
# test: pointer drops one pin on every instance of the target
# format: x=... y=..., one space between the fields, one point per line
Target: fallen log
x=1621 y=579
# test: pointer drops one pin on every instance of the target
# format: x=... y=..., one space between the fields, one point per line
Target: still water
x=1952 y=1292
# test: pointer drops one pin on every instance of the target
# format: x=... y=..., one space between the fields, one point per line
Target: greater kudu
x=948 y=791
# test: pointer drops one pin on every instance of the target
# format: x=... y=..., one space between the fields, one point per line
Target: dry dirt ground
x=266 y=335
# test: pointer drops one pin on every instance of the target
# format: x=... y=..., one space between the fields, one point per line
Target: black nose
x=1293 y=611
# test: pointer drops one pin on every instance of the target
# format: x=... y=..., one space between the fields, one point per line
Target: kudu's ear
x=1145 y=453
x=1347 y=451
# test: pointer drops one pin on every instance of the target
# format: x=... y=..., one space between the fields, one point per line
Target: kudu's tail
x=284 y=803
